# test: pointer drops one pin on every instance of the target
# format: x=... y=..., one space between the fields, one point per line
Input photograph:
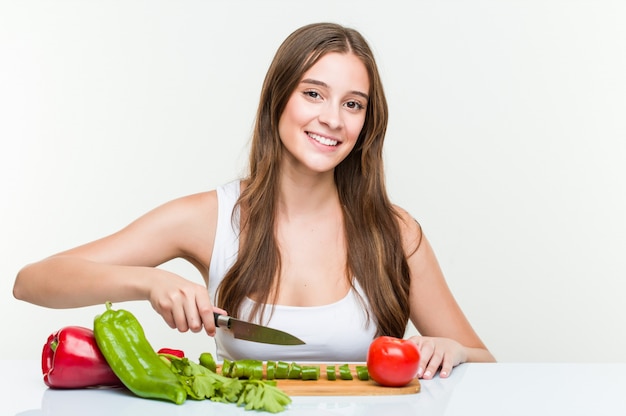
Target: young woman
x=308 y=242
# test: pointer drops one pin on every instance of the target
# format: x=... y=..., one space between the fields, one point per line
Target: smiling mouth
x=323 y=140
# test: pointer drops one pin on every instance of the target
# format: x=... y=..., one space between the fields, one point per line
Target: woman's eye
x=355 y=105
x=312 y=94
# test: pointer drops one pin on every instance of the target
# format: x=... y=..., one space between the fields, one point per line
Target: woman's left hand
x=438 y=354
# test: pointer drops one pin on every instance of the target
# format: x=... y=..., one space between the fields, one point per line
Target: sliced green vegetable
x=247 y=369
x=330 y=373
x=362 y=373
x=226 y=366
x=270 y=370
x=282 y=370
x=310 y=372
x=207 y=361
x=295 y=371
x=276 y=370
x=345 y=373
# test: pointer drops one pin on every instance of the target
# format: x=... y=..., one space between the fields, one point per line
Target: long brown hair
x=375 y=252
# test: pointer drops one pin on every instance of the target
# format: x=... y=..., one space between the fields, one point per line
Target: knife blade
x=253 y=332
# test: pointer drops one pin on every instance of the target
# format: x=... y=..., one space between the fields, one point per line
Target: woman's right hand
x=183 y=304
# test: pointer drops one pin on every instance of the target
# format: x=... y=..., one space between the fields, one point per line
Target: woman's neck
x=307 y=196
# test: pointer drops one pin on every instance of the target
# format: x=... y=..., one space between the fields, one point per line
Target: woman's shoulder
x=201 y=201
x=410 y=229
x=405 y=217
x=204 y=204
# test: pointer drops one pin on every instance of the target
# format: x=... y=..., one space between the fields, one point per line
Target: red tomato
x=392 y=361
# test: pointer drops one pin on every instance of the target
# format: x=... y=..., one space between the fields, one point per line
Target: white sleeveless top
x=338 y=332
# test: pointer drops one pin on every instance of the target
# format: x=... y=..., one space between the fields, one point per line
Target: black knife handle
x=222 y=321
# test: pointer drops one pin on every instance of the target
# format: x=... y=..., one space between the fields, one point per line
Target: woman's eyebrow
x=323 y=84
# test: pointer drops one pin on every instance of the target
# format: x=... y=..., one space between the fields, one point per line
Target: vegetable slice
x=207 y=361
x=295 y=371
x=310 y=372
x=270 y=370
x=226 y=366
x=362 y=373
x=282 y=370
x=345 y=373
x=330 y=373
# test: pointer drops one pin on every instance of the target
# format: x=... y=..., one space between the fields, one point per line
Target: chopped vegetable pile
x=202 y=383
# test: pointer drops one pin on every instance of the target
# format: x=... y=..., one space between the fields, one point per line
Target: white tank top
x=339 y=332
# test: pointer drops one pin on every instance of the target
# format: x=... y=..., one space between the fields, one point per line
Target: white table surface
x=502 y=389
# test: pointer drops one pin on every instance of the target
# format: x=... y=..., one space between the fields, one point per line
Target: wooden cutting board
x=354 y=387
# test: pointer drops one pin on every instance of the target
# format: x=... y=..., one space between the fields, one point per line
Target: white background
x=507 y=140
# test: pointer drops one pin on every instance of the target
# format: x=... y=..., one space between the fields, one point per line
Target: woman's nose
x=330 y=115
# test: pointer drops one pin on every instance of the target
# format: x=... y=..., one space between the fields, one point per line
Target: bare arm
x=122 y=266
x=446 y=336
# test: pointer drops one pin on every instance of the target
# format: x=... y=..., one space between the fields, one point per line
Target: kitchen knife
x=253 y=332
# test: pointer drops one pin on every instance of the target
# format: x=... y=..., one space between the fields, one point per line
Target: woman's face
x=325 y=114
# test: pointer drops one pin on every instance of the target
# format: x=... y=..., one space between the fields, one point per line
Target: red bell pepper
x=71 y=359
x=171 y=351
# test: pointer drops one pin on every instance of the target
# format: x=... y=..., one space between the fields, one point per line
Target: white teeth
x=323 y=140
